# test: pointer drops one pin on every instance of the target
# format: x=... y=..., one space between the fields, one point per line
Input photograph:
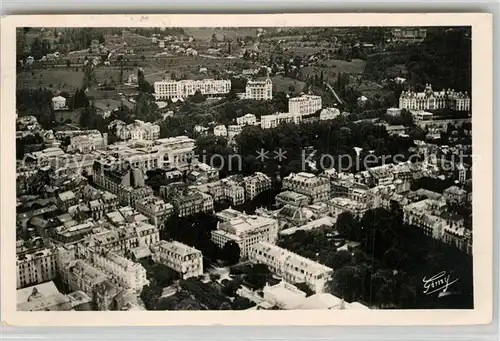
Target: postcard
x=270 y=169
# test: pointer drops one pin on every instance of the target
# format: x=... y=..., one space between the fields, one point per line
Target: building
x=66 y=200
x=317 y=188
x=248 y=119
x=292 y=198
x=46 y=297
x=184 y=259
x=220 y=130
x=103 y=204
x=431 y=100
x=341 y=205
x=394 y=112
x=256 y=184
x=59 y=103
x=80 y=275
x=455 y=195
x=171 y=89
x=426 y=214
x=274 y=120
x=329 y=114
x=246 y=230
x=127 y=184
x=35 y=268
x=72 y=231
x=233 y=131
x=193 y=202
x=155 y=209
x=259 y=90
x=86 y=143
x=413 y=33
x=138 y=130
x=227 y=190
x=382 y=175
x=290 y=266
x=304 y=105
x=203 y=173
x=126 y=273
x=283 y=295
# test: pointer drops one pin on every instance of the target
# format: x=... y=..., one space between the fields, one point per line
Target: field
x=332 y=67
x=206 y=33
x=282 y=84
x=63 y=79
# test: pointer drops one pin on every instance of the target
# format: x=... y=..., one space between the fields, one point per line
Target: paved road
x=334 y=93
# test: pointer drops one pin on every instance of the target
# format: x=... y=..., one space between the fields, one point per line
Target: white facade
x=272 y=121
x=245 y=230
x=220 y=130
x=138 y=130
x=393 y=112
x=259 y=90
x=292 y=267
x=155 y=209
x=304 y=105
x=256 y=184
x=184 y=259
x=170 y=89
x=126 y=273
x=59 y=103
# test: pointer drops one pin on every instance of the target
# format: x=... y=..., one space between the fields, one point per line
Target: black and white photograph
x=244 y=168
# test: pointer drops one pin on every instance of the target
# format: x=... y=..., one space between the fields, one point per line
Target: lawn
x=282 y=84
x=332 y=67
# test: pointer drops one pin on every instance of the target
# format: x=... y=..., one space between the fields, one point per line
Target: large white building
x=35 y=268
x=138 y=130
x=87 y=143
x=128 y=274
x=155 y=209
x=246 y=230
x=171 y=89
x=259 y=90
x=256 y=184
x=292 y=267
x=430 y=100
x=59 y=103
x=304 y=105
x=274 y=120
x=317 y=188
x=184 y=259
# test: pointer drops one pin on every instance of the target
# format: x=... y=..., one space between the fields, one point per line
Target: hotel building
x=248 y=119
x=34 y=268
x=256 y=184
x=292 y=267
x=274 y=120
x=171 y=89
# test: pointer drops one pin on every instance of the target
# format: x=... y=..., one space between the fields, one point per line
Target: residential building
x=103 y=204
x=413 y=33
x=127 y=184
x=155 y=209
x=126 y=273
x=274 y=120
x=259 y=89
x=72 y=231
x=248 y=119
x=283 y=295
x=86 y=143
x=220 y=130
x=59 y=103
x=317 y=188
x=81 y=275
x=246 y=230
x=233 y=131
x=455 y=195
x=34 y=268
x=171 y=89
x=202 y=173
x=66 y=199
x=304 y=105
x=256 y=184
x=290 y=266
x=426 y=214
x=292 y=198
x=382 y=175
x=184 y=259
x=341 y=205
x=193 y=202
x=42 y=297
x=430 y=100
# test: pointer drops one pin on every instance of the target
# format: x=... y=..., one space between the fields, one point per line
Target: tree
x=198 y=97
x=143 y=58
x=231 y=252
x=340 y=259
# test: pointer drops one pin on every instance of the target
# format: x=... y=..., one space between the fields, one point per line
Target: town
x=242 y=168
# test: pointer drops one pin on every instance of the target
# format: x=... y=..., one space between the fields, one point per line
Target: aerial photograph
x=243 y=168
